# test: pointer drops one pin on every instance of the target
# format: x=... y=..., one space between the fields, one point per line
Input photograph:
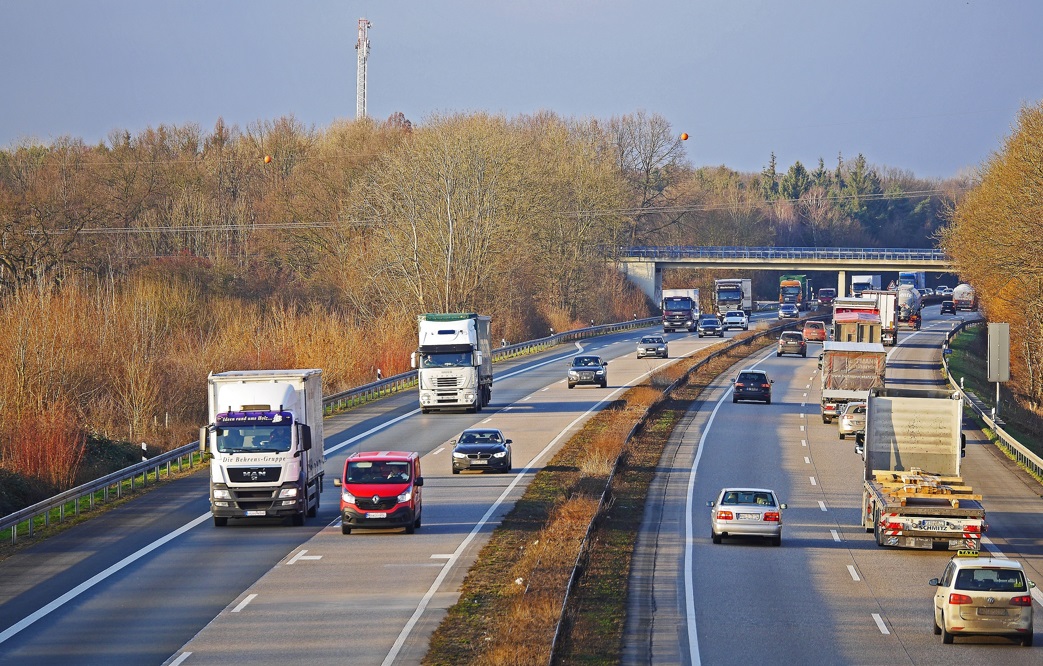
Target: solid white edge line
x=880 y=624
x=689 y=529
x=181 y=659
x=243 y=604
x=97 y=578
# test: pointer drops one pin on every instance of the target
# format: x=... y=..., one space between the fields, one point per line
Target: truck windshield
x=729 y=294
x=791 y=291
x=254 y=438
x=446 y=360
x=677 y=304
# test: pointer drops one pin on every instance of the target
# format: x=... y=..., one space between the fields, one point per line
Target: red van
x=381 y=489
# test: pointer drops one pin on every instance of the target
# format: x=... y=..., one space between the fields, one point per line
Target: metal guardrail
x=113 y=484
x=825 y=253
x=1015 y=449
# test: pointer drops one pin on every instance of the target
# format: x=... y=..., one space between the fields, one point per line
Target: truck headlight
x=347 y=497
x=220 y=493
x=404 y=497
x=288 y=493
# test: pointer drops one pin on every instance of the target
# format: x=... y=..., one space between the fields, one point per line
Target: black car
x=588 y=370
x=710 y=325
x=949 y=306
x=752 y=385
x=481 y=449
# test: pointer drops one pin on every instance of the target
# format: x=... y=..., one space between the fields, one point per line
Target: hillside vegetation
x=132 y=268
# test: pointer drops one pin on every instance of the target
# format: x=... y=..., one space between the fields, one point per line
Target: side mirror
x=783 y=506
x=771 y=381
x=711 y=504
x=510 y=441
x=419 y=481
x=336 y=482
x=963 y=445
x=202 y=438
x=304 y=433
x=934 y=581
x=860 y=450
x=604 y=363
x=412 y=360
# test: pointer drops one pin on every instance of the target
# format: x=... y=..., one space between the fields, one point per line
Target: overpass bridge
x=644 y=265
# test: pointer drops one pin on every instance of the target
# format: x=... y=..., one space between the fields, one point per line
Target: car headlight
x=404 y=497
x=457 y=454
x=573 y=373
x=499 y=454
x=287 y=493
x=220 y=493
x=347 y=497
x=600 y=372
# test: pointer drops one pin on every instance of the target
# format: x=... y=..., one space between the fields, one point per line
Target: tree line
x=132 y=268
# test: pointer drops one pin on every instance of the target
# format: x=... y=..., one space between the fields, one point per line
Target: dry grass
x=501 y=621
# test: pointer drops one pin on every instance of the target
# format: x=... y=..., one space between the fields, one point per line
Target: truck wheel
x=571 y=385
x=298 y=519
x=344 y=529
x=841 y=435
x=425 y=410
x=878 y=536
x=220 y=522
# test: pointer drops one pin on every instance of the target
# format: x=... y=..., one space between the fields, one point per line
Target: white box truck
x=454 y=361
x=913 y=495
x=887 y=307
x=733 y=294
x=849 y=371
x=266 y=444
x=860 y=283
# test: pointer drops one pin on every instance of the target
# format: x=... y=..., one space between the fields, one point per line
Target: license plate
x=374 y=514
x=749 y=516
x=992 y=611
x=479 y=462
x=934 y=525
x=257 y=513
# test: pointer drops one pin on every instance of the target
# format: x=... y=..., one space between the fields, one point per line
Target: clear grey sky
x=928 y=86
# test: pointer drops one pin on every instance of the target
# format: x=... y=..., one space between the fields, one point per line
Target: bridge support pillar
x=841 y=279
x=648 y=277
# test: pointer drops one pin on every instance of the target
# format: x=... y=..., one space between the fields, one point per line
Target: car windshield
x=367 y=471
x=990 y=580
x=748 y=497
x=480 y=437
x=585 y=361
x=651 y=341
x=736 y=313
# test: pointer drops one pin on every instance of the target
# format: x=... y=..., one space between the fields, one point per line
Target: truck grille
x=446 y=382
x=254 y=474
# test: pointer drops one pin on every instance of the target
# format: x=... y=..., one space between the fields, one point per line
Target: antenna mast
x=362 y=46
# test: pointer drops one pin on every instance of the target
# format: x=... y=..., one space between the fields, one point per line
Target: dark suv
x=752 y=385
x=949 y=306
x=710 y=325
x=791 y=342
x=588 y=370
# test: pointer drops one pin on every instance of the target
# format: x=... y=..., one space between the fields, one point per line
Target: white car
x=983 y=596
x=735 y=319
x=754 y=512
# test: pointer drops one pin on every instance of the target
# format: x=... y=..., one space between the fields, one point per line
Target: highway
x=829 y=595
x=153 y=581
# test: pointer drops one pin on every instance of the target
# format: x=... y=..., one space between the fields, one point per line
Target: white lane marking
x=528 y=397
x=507 y=408
x=803 y=404
x=992 y=548
x=854 y=574
x=836 y=535
x=807 y=460
x=244 y=602
x=438 y=450
x=803 y=442
x=181 y=659
x=880 y=624
x=802 y=428
x=97 y=578
x=813 y=482
x=441 y=556
x=805 y=395
x=808 y=386
x=301 y=556
x=487 y=420
x=544 y=388
x=689 y=530
x=822 y=505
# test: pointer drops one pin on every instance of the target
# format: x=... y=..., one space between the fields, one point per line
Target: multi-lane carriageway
x=154 y=582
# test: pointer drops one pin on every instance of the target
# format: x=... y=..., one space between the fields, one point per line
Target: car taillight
x=771 y=516
x=1024 y=600
x=958 y=599
x=724 y=515
x=739 y=385
x=970 y=528
x=765 y=385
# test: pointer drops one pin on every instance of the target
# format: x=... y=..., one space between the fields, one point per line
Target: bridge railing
x=756 y=253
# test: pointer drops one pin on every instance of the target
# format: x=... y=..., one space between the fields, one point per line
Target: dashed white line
x=813 y=481
x=854 y=574
x=880 y=624
x=802 y=428
x=528 y=397
x=822 y=505
x=487 y=420
x=807 y=460
x=803 y=442
x=836 y=535
x=244 y=602
x=438 y=450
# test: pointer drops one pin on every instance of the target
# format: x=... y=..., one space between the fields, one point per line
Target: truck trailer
x=887 y=308
x=265 y=439
x=454 y=361
x=733 y=294
x=915 y=279
x=913 y=495
x=849 y=371
x=856 y=320
x=680 y=309
x=964 y=298
x=860 y=283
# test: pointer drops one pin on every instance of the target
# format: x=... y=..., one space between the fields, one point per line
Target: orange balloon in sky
x=268 y=158
x=684 y=136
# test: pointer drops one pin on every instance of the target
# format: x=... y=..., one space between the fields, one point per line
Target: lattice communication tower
x=362 y=46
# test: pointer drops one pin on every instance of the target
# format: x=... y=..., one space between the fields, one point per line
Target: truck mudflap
x=928 y=532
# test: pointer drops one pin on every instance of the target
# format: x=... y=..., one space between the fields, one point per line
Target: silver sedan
x=746 y=512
